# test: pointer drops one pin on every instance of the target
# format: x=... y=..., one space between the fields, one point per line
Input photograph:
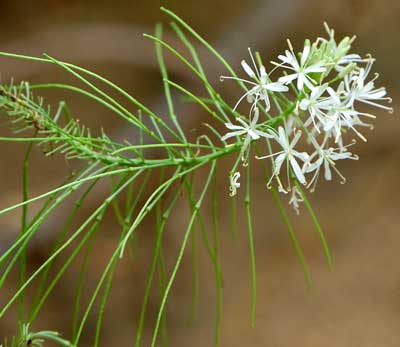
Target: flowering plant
x=328 y=85
x=316 y=98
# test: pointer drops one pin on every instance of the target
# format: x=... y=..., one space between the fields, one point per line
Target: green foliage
x=27 y=338
x=126 y=167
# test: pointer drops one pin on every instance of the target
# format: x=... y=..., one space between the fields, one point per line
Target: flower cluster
x=316 y=98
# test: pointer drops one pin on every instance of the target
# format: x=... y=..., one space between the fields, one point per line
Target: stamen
x=267 y=156
x=328 y=30
x=222 y=78
x=365 y=101
x=253 y=61
x=242 y=97
x=290 y=45
x=269 y=185
x=343 y=179
x=352 y=39
x=361 y=136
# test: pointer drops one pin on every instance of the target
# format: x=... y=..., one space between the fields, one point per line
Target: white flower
x=234 y=184
x=360 y=90
x=295 y=199
x=314 y=104
x=329 y=83
x=300 y=69
x=326 y=157
x=250 y=130
x=288 y=154
x=261 y=85
x=341 y=114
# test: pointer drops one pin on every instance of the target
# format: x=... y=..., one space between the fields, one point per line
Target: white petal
x=304 y=104
x=296 y=139
x=305 y=54
x=303 y=156
x=277 y=87
x=229 y=135
x=248 y=69
x=293 y=60
x=315 y=69
x=233 y=127
x=282 y=139
x=340 y=156
x=285 y=59
x=255 y=117
x=297 y=170
x=263 y=73
x=278 y=163
x=314 y=166
x=287 y=79
x=267 y=103
x=253 y=135
x=300 y=81
x=328 y=174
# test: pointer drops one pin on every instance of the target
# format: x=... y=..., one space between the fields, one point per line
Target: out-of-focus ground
x=356 y=305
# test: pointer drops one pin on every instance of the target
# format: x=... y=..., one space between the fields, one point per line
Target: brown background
x=356 y=305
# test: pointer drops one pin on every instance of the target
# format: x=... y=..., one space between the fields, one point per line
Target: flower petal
x=305 y=54
x=253 y=134
x=233 y=127
x=263 y=73
x=314 y=69
x=232 y=134
x=288 y=78
x=248 y=69
x=278 y=163
x=297 y=170
x=277 y=87
x=300 y=81
x=328 y=173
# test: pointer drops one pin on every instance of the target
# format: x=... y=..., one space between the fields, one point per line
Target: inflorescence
x=322 y=87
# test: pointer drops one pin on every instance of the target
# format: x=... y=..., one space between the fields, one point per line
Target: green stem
x=320 y=233
x=24 y=222
x=180 y=254
x=251 y=248
x=155 y=259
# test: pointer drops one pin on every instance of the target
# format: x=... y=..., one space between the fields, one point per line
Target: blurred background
x=356 y=305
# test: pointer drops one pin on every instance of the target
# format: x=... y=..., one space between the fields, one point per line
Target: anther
x=289 y=44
